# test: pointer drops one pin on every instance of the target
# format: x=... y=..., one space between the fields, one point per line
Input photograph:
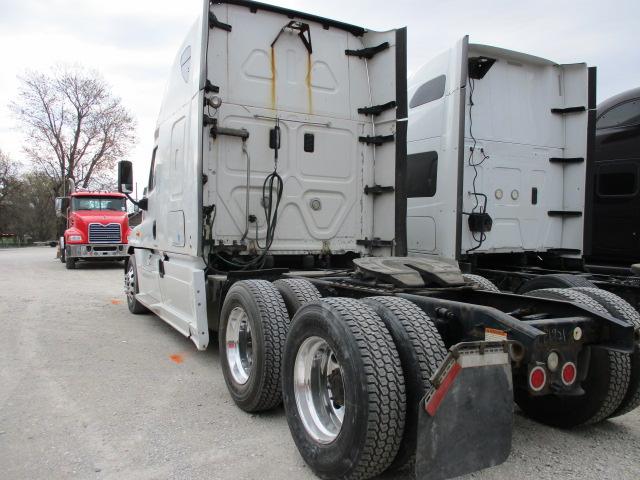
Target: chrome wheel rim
x=130 y=284
x=239 y=345
x=319 y=390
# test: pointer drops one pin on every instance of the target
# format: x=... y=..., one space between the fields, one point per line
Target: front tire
x=605 y=385
x=70 y=263
x=343 y=389
x=132 y=288
x=253 y=329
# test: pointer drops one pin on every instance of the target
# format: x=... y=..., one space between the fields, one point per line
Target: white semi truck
x=513 y=134
x=276 y=218
x=500 y=162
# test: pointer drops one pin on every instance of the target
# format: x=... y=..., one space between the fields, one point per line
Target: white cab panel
x=509 y=123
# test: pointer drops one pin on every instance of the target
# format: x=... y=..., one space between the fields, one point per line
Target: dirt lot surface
x=89 y=391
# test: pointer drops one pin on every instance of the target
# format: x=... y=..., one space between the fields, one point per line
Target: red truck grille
x=99 y=233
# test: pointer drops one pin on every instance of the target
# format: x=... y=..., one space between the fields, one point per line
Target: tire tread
x=386 y=388
x=300 y=290
x=275 y=323
x=620 y=308
x=480 y=281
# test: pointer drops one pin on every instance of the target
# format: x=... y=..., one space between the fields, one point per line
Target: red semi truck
x=97 y=227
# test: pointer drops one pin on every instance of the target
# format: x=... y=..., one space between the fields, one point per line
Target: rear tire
x=620 y=308
x=605 y=384
x=555 y=280
x=479 y=281
x=296 y=292
x=368 y=388
x=251 y=349
x=421 y=352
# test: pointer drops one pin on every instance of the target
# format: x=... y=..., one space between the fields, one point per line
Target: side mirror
x=125 y=176
x=62 y=204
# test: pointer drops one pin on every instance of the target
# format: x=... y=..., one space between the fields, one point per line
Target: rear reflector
x=569 y=373
x=431 y=406
x=537 y=379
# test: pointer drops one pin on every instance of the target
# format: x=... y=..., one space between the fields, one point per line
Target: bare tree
x=75 y=127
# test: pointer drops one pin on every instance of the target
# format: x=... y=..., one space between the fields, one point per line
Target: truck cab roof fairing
x=294 y=14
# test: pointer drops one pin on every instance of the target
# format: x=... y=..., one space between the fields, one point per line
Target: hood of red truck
x=80 y=220
x=101 y=216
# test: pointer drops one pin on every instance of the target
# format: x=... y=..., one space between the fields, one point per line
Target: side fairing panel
x=435 y=128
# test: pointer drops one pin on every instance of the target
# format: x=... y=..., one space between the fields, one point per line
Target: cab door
x=148 y=258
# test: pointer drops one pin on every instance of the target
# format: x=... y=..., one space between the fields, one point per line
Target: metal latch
x=377 y=109
x=562 y=111
x=377 y=140
x=377 y=189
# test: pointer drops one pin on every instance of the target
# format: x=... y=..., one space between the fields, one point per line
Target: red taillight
x=537 y=379
x=569 y=373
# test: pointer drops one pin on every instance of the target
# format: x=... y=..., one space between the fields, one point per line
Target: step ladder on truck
x=275 y=217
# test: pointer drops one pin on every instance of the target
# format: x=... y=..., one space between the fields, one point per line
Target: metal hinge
x=368 y=52
x=377 y=140
x=377 y=109
x=215 y=23
x=377 y=189
x=566 y=160
x=564 y=213
x=211 y=88
x=205 y=179
x=374 y=243
x=562 y=111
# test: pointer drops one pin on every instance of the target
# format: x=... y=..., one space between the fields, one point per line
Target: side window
x=422 y=174
x=152 y=171
x=428 y=92
x=625 y=114
x=185 y=63
x=617 y=180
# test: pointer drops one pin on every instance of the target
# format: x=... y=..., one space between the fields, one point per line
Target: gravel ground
x=89 y=391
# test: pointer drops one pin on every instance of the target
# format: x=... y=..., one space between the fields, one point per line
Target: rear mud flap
x=466 y=419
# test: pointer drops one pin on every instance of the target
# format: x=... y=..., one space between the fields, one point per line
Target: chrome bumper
x=89 y=251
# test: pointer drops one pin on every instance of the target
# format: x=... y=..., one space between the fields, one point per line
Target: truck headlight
x=75 y=238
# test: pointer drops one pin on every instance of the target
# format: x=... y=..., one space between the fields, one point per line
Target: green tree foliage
x=26 y=202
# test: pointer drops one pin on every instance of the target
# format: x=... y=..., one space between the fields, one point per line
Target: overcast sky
x=133 y=42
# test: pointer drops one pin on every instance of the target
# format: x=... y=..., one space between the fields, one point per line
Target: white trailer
x=275 y=217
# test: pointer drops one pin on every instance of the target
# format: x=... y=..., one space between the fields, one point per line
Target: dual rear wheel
x=612 y=383
x=352 y=371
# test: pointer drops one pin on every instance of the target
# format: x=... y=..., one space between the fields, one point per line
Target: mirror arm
x=141 y=204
